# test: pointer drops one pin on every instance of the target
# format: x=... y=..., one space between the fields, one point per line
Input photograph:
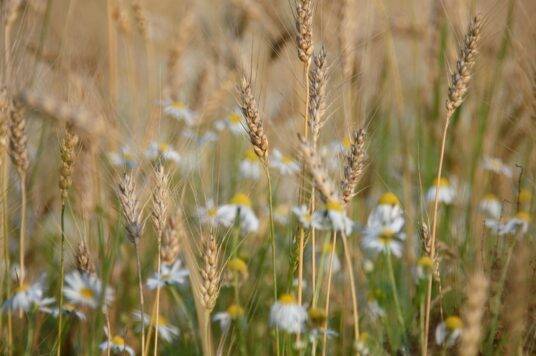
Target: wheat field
x=265 y=177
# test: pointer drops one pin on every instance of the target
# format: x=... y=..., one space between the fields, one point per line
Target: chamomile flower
x=423 y=268
x=333 y=217
x=171 y=274
x=491 y=206
x=448 y=331
x=387 y=214
x=162 y=151
x=208 y=214
x=303 y=215
x=374 y=309
x=233 y=123
x=225 y=318
x=28 y=296
x=250 y=166
x=180 y=111
x=200 y=139
x=336 y=264
x=237 y=271
x=85 y=290
x=116 y=344
x=288 y=315
x=362 y=344
x=446 y=191
x=525 y=198
x=284 y=164
x=67 y=309
x=497 y=166
x=341 y=147
x=239 y=209
x=123 y=157
x=518 y=224
x=383 y=240
x=281 y=214
x=317 y=333
x=166 y=331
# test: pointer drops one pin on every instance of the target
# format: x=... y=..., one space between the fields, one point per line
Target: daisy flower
x=239 y=209
x=491 y=206
x=303 y=215
x=233 y=123
x=387 y=214
x=281 y=214
x=517 y=224
x=67 y=309
x=525 y=198
x=27 y=296
x=236 y=271
x=171 y=274
x=163 y=151
x=116 y=344
x=374 y=309
x=333 y=217
x=341 y=147
x=284 y=164
x=423 y=268
x=446 y=191
x=200 y=139
x=123 y=157
x=497 y=166
x=166 y=331
x=361 y=345
x=288 y=315
x=179 y=111
x=207 y=214
x=383 y=240
x=448 y=331
x=336 y=264
x=85 y=290
x=234 y=312
x=250 y=167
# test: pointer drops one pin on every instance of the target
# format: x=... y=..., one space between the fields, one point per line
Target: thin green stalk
x=395 y=290
x=62 y=272
x=22 y=228
x=349 y=266
x=159 y=263
x=328 y=290
x=140 y=288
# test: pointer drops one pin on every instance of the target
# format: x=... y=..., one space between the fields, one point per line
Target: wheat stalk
x=304 y=28
x=247 y=103
x=354 y=167
x=317 y=94
x=472 y=313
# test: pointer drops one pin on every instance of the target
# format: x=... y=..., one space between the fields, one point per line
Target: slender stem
x=349 y=266
x=22 y=227
x=424 y=351
x=328 y=289
x=62 y=272
x=395 y=290
x=140 y=287
x=5 y=220
x=159 y=264
x=300 y=265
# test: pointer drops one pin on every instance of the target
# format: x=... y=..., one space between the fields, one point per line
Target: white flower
x=446 y=192
x=200 y=139
x=336 y=264
x=517 y=224
x=341 y=147
x=123 y=157
x=250 y=166
x=448 y=331
x=171 y=274
x=238 y=209
x=423 y=268
x=361 y=345
x=491 y=206
x=333 y=218
x=225 y=318
x=67 y=309
x=85 y=289
x=303 y=215
x=383 y=240
x=316 y=333
x=28 y=296
x=116 y=344
x=233 y=123
x=288 y=315
x=285 y=165
x=207 y=214
x=166 y=331
x=497 y=166
x=179 y=111
x=375 y=310
x=387 y=214
x=281 y=214
x=162 y=150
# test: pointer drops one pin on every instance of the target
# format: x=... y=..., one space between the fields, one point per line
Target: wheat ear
x=354 y=166
x=472 y=313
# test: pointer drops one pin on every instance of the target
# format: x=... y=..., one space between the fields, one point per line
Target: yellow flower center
x=317 y=315
x=425 y=261
x=490 y=197
x=212 y=212
x=523 y=215
x=286 y=299
x=389 y=199
x=235 y=118
x=346 y=142
x=22 y=288
x=87 y=293
x=118 y=340
x=363 y=337
x=387 y=236
x=162 y=321
x=179 y=105
x=443 y=182
x=163 y=147
x=525 y=196
x=334 y=206
x=286 y=160
x=251 y=155
x=241 y=199
x=237 y=265
x=235 y=311
x=327 y=247
x=453 y=323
